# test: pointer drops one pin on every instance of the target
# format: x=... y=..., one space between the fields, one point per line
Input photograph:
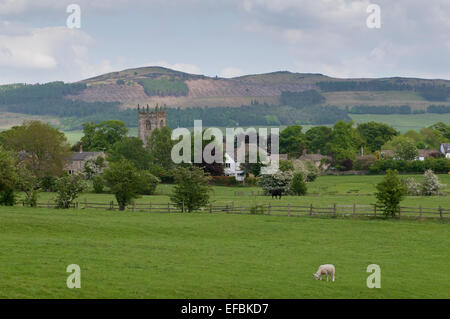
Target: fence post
x=150 y=207
x=440 y=211
x=420 y=208
x=268 y=208
x=289 y=209
x=375 y=210
x=232 y=207
x=182 y=207
x=134 y=206
x=226 y=209
x=399 y=212
x=168 y=207
x=310 y=210
x=210 y=208
x=334 y=209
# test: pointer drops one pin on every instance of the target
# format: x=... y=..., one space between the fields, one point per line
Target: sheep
x=327 y=269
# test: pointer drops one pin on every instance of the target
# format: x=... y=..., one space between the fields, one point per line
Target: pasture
x=135 y=255
x=200 y=255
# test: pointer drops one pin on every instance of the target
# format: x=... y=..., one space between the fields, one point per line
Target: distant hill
x=277 y=98
x=151 y=85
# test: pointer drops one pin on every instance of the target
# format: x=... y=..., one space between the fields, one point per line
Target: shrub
x=363 y=163
x=224 y=181
x=68 y=187
x=147 y=183
x=298 y=186
x=431 y=185
x=192 y=188
x=391 y=192
x=413 y=188
x=250 y=180
x=279 y=180
x=309 y=170
x=257 y=209
x=98 y=184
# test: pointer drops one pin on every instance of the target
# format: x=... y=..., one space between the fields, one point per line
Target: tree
x=148 y=183
x=292 y=141
x=124 y=180
x=405 y=149
x=317 y=137
x=391 y=192
x=376 y=134
x=443 y=128
x=431 y=185
x=68 y=187
x=132 y=149
x=192 y=188
x=160 y=147
x=278 y=181
x=29 y=184
x=42 y=149
x=8 y=178
x=94 y=167
x=102 y=136
x=298 y=186
x=344 y=143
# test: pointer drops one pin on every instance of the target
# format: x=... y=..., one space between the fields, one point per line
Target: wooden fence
x=269 y=209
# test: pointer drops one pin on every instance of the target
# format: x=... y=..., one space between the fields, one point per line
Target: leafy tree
x=405 y=149
x=431 y=185
x=278 y=181
x=343 y=144
x=298 y=186
x=443 y=128
x=160 y=146
x=391 y=192
x=292 y=141
x=148 y=183
x=98 y=184
x=132 y=149
x=29 y=184
x=8 y=178
x=317 y=137
x=431 y=138
x=68 y=187
x=192 y=188
x=124 y=180
x=307 y=168
x=102 y=136
x=42 y=149
x=375 y=134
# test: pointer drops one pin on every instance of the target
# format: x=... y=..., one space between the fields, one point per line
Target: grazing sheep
x=327 y=269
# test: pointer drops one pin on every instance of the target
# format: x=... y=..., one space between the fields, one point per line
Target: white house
x=445 y=149
x=233 y=168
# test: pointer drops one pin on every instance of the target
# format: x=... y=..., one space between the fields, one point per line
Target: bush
x=250 y=180
x=192 y=188
x=438 y=165
x=309 y=170
x=391 y=192
x=98 y=184
x=148 y=183
x=224 y=181
x=278 y=181
x=431 y=185
x=413 y=188
x=363 y=163
x=298 y=186
x=68 y=187
x=257 y=209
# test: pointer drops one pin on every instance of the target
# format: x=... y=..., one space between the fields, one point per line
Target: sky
x=226 y=38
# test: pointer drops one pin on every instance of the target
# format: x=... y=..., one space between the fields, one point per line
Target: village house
x=321 y=161
x=445 y=149
x=79 y=159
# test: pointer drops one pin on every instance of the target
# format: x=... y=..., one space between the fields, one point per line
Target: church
x=148 y=120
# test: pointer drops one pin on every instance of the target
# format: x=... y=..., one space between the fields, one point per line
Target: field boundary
x=289 y=210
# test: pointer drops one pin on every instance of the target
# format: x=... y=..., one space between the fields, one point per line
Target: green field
x=135 y=255
x=403 y=122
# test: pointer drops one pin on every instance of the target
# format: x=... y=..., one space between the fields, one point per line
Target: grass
x=132 y=255
x=403 y=122
x=326 y=190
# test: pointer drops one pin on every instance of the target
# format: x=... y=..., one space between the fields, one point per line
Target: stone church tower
x=148 y=120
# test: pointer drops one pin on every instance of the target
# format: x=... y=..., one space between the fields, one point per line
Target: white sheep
x=327 y=269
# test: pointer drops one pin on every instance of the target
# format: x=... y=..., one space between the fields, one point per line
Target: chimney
x=81 y=147
x=318 y=151
x=304 y=151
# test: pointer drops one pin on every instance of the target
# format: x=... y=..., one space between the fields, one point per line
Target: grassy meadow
x=200 y=255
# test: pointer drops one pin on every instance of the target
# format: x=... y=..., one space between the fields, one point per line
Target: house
x=445 y=149
x=233 y=168
x=426 y=153
x=78 y=160
x=318 y=159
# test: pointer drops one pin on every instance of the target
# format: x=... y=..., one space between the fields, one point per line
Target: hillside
x=277 y=98
x=129 y=88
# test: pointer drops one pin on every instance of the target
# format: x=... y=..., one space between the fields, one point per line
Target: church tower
x=149 y=120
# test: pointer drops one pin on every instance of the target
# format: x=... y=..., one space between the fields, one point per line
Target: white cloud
x=231 y=72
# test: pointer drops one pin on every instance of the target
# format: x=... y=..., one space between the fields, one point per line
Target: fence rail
x=268 y=209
